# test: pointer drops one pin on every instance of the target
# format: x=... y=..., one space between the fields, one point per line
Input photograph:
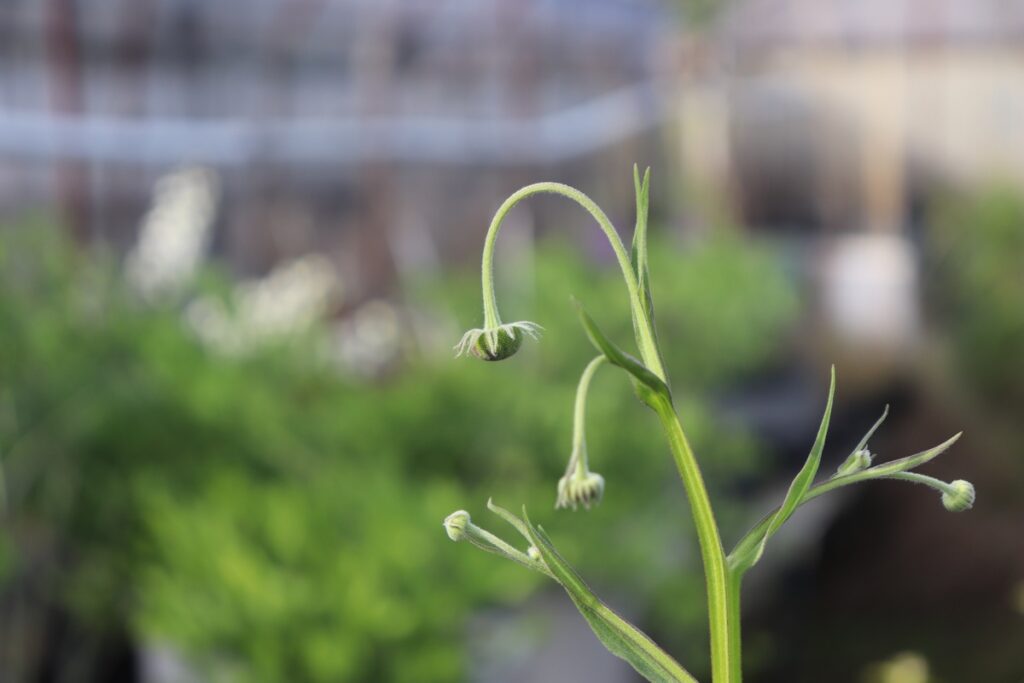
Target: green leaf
x=908 y=463
x=620 y=637
x=638 y=252
x=797 y=490
x=510 y=518
x=874 y=428
x=649 y=385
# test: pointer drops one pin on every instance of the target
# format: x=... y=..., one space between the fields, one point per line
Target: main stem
x=648 y=349
x=722 y=585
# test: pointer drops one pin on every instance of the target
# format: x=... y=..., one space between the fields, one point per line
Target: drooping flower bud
x=581 y=487
x=497 y=343
x=959 y=496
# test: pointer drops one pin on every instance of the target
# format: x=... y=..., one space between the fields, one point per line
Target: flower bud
x=534 y=554
x=959 y=497
x=496 y=343
x=857 y=461
x=456 y=525
x=580 y=488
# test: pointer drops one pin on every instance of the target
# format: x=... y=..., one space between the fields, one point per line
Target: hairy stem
x=648 y=349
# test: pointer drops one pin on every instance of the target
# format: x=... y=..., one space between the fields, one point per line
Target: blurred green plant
x=269 y=518
x=978 y=245
x=723 y=572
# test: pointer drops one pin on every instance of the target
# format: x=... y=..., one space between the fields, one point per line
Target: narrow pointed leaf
x=798 y=489
x=620 y=637
x=510 y=518
x=639 y=246
x=617 y=356
x=910 y=462
x=874 y=428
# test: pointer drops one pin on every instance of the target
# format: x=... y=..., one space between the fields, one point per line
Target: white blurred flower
x=175 y=232
x=287 y=301
x=369 y=339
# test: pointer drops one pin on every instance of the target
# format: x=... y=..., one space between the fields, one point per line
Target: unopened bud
x=456 y=525
x=534 y=553
x=496 y=343
x=580 y=488
x=959 y=497
x=857 y=461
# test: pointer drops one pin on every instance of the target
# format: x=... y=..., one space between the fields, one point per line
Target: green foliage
x=979 y=249
x=276 y=520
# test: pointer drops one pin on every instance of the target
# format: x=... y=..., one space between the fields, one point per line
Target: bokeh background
x=239 y=238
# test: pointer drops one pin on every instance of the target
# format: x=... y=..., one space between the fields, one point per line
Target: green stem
x=725 y=645
x=735 y=586
x=648 y=348
x=915 y=478
x=578 y=459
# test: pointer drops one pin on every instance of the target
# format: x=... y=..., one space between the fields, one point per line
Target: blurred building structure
x=840 y=114
x=329 y=121
x=843 y=120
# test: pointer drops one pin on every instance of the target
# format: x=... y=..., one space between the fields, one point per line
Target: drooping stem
x=725 y=645
x=578 y=459
x=648 y=349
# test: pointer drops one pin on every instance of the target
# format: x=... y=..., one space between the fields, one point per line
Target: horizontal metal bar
x=547 y=138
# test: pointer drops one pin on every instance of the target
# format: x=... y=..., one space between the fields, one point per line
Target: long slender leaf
x=910 y=462
x=617 y=356
x=871 y=432
x=510 y=518
x=798 y=489
x=639 y=246
x=620 y=637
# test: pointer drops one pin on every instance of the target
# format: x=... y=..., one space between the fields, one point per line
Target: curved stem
x=648 y=349
x=915 y=478
x=578 y=459
x=721 y=611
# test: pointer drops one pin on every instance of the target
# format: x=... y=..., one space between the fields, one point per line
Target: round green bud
x=959 y=497
x=498 y=344
x=534 y=553
x=456 y=524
